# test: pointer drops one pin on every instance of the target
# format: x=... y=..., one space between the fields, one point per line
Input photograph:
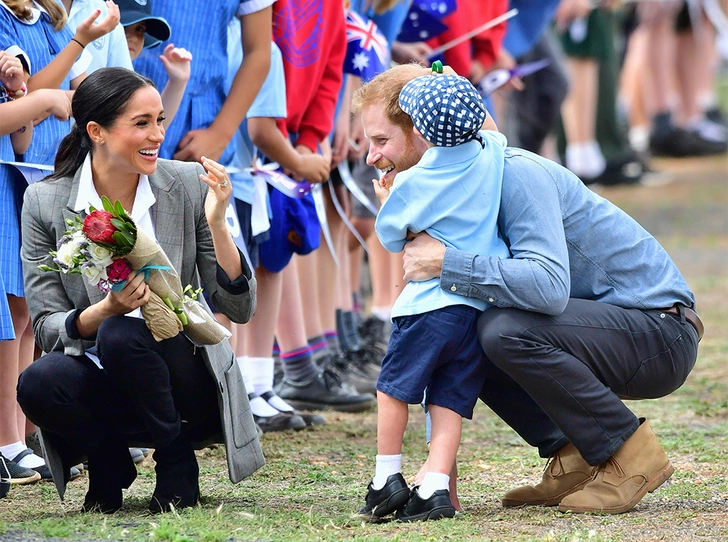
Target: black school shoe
x=382 y=502
x=438 y=506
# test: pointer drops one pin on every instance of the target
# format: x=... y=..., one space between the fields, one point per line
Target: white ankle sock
x=261 y=374
x=432 y=482
x=585 y=159
x=383 y=313
x=260 y=407
x=30 y=461
x=279 y=404
x=387 y=465
x=11 y=450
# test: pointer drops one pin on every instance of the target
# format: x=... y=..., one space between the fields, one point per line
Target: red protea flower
x=98 y=228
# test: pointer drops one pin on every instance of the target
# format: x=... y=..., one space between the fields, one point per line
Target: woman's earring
x=101 y=141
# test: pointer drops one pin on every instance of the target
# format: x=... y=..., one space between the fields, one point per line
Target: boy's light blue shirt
x=270 y=102
x=566 y=242
x=110 y=49
x=453 y=194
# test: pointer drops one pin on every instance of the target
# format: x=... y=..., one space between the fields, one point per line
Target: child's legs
x=446 y=430
x=392 y=419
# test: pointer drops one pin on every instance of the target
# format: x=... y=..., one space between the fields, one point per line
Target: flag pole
x=490 y=24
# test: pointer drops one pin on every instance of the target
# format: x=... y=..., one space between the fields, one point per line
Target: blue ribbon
x=147 y=269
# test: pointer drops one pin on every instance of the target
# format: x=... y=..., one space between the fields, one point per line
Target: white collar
x=35 y=14
x=88 y=196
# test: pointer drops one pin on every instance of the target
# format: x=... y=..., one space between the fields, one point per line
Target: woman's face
x=132 y=143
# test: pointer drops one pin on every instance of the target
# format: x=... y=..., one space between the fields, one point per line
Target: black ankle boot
x=110 y=469
x=177 y=477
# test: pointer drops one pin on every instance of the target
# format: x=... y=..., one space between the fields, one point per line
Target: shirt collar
x=88 y=196
x=35 y=11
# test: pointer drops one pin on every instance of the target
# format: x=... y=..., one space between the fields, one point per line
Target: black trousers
x=562 y=378
x=148 y=391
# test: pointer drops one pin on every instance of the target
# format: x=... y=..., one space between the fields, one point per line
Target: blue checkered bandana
x=446 y=109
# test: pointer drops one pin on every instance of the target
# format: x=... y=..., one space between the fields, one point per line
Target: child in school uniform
x=434 y=346
x=145 y=31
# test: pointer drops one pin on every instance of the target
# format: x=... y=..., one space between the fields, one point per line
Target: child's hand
x=381 y=190
x=11 y=72
x=313 y=167
x=177 y=63
x=87 y=31
x=58 y=103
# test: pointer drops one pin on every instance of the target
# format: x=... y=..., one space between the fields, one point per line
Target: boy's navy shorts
x=437 y=350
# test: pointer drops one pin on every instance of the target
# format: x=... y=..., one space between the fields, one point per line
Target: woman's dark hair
x=102 y=97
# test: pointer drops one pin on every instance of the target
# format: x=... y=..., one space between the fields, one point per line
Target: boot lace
x=615 y=467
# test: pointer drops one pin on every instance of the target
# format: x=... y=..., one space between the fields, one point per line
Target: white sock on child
x=279 y=404
x=30 y=461
x=585 y=159
x=261 y=374
x=432 y=482
x=387 y=465
x=261 y=408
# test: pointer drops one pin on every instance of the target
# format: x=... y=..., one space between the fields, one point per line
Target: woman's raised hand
x=220 y=191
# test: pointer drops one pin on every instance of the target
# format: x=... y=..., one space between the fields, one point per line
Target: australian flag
x=367 y=52
x=424 y=20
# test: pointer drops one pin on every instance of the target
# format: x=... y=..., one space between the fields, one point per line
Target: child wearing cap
x=144 y=31
x=434 y=348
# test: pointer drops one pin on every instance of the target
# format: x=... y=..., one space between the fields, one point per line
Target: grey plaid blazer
x=182 y=231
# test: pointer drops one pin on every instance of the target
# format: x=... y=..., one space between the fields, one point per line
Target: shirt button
x=453 y=288
x=491 y=300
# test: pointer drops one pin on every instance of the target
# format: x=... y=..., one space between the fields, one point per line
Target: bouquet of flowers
x=106 y=248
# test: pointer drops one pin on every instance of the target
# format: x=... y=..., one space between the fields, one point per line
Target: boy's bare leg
x=392 y=419
x=446 y=431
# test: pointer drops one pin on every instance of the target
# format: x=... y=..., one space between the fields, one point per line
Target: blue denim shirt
x=566 y=241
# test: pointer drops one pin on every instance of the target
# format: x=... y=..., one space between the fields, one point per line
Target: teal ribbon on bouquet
x=147 y=269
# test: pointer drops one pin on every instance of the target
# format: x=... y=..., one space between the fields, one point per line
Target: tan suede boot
x=565 y=473
x=638 y=466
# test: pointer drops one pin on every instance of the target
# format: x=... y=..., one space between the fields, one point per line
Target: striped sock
x=298 y=364
x=319 y=348
x=332 y=338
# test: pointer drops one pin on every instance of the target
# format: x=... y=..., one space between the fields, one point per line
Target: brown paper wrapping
x=160 y=319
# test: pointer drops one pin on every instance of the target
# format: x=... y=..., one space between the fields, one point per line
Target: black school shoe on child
x=382 y=502
x=438 y=506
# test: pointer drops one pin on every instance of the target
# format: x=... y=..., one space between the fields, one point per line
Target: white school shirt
x=143 y=201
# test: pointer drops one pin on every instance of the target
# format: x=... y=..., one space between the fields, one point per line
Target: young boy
x=144 y=31
x=433 y=346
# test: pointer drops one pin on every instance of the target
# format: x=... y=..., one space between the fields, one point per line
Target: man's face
x=391 y=150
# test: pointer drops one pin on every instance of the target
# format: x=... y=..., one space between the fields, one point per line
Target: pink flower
x=98 y=228
x=118 y=271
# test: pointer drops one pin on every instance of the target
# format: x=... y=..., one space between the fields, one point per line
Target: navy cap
x=446 y=109
x=136 y=11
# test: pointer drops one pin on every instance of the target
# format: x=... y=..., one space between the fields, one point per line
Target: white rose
x=94 y=274
x=100 y=256
x=66 y=254
x=78 y=239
